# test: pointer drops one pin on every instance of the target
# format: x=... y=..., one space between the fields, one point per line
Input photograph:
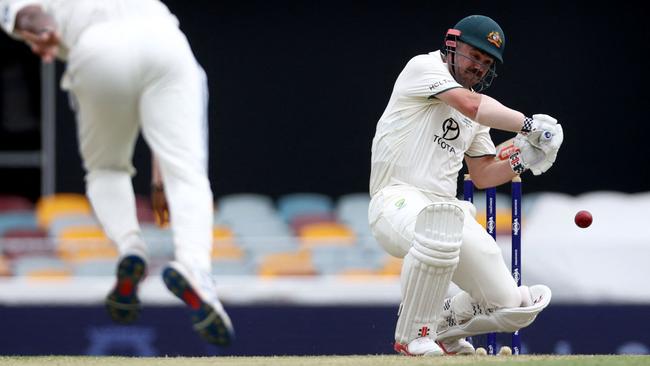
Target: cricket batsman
x=436 y=119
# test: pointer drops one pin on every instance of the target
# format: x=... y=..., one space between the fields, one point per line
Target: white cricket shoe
x=198 y=291
x=458 y=346
x=423 y=346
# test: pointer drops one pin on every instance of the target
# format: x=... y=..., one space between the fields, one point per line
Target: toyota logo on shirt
x=450 y=129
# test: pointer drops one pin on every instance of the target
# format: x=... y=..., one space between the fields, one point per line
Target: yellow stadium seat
x=226 y=250
x=287 y=264
x=82 y=232
x=329 y=233
x=223 y=244
x=49 y=274
x=59 y=204
x=358 y=274
x=222 y=233
x=84 y=242
x=392 y=266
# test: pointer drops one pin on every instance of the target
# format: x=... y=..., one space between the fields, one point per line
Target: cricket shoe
x=198 y=291
x=122 y=302
x=458 y=346
x=423 y=346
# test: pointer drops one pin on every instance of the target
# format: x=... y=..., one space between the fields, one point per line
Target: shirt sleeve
x=425 y=76
x=482 y=144
x=9 y=9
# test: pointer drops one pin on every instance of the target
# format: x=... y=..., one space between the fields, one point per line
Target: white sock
x=113 y=201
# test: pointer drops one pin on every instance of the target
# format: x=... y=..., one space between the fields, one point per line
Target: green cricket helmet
x=481 y=32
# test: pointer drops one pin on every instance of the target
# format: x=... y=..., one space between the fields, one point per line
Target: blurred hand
x=505 y=149
x=159 y=205
x=45 y=44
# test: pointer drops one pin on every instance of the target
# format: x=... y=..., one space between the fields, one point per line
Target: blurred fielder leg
x=104 y=93
x=174 y=124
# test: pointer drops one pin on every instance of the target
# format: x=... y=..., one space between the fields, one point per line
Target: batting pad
x=505 y=320
x=427 y=270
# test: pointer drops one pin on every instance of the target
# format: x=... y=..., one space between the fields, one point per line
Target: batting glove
x=541 y=129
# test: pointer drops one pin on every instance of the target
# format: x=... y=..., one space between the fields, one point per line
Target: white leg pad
x=505 y=320
x=427 y=270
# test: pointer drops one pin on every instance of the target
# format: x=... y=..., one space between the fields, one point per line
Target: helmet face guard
x=451 y=44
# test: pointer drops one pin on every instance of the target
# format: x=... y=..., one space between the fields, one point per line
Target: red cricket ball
x=583 y=218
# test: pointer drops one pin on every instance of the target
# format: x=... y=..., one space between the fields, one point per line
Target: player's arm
x=485 y=110
x=488 y=172
x=541 y=130
x=39 y=30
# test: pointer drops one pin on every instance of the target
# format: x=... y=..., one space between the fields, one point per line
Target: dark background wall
x=297 y=89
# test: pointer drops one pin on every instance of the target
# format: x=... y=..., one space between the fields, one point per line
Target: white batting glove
x=544 y=165
x=550 y=141
x=540 y=129
x=552 y=147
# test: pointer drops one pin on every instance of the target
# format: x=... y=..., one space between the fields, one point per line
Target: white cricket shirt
x=420 y=140
x=74 y=16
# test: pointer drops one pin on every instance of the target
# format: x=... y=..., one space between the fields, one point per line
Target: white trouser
x=481 y=270
x=140 y=74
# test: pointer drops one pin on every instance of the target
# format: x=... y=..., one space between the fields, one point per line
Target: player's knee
x=505 y=297
x=110 y=174
x=389 y=238
x=438 y=234
x=526 y=296
x=468 y=207
x=95 y=173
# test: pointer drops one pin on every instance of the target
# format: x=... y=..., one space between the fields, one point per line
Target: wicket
x=490 y=226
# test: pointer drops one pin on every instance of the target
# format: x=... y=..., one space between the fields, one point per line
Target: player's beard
x=468 y=78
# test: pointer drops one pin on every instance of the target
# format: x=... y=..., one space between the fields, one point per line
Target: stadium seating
x=60 y=223
x=243 y=266
x=243 y=207
x=38 y=266
x=17 y=220
x=302 y=220
x=287 y=264
x=353 y=207
x=352 y=210
x=95 y=267
x=60 y=204
x=14 y=203
x=392 y=266
x=224 y=247
x=298 y=234
x=326 y=233
x=294 y=204
x=79 y=243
